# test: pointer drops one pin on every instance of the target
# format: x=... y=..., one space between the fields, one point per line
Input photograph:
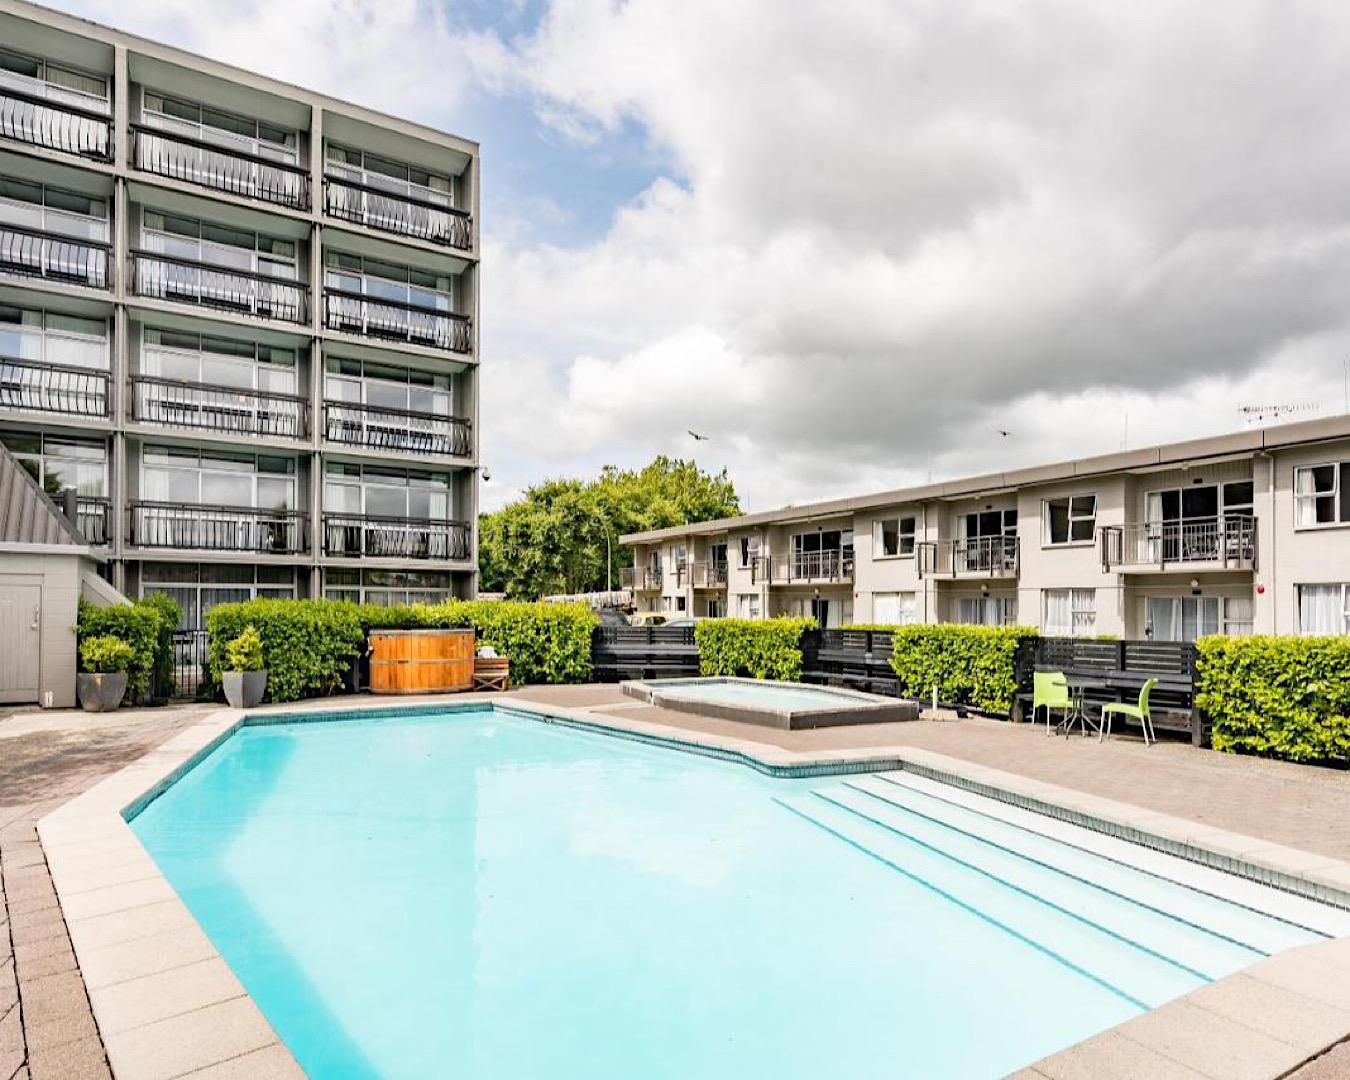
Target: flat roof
x=1150 y=457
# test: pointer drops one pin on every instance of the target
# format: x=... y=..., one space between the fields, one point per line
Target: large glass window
x=893 y=537
x=895 y=608
x=58 y=462
x=61 y=82
x=200 y=358
x=1186 y=618
x=375 y=491
x=68 y=340
x=749 y=548
x=1322 y=495
x=388 y=281
x=1324 y=609
x=198 y=587
x=1070 y=520
x=386 y=587
x=361 y=382
x=1070 y=612
x=181 y=475
x=388 y=175
x=209 y=124
x=747 y=605
x=987 y=610
x=181 y=237
x=53 y=209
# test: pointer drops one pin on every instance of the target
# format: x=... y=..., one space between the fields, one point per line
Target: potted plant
x=245 y=680
x=103 y=682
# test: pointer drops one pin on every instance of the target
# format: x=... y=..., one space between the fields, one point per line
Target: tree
x=552 y=540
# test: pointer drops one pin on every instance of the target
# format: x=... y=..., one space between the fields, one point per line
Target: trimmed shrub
x=245 y=653
x=145 y=626
x=1285 y=697
x=757 y=648
x=104 y=654
x=307 y=645
x=969 y=665
x=547 y=643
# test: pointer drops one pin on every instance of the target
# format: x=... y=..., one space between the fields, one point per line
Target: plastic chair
x=1050 y=690
x=1138 y=712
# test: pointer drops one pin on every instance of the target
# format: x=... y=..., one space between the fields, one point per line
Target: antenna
x=1260 y=414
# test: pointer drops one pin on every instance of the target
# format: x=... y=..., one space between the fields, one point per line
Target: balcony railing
x=812 y=566
x=983 y=556
x=202 y=527
x=640 y=578
x=94 y=514
x=52 y=256
x=222 y=168
x=180 y=404
x=34 y=386
x=404 y=430
x=1218 y=543
x=709 y=574
x=396 y=212
x=188 y=281
x=396 y=320
x=356 y=535
x=40 y=114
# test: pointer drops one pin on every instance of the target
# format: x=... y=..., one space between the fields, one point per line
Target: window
x=679 y=603
x=1322 y=495
x=388 y=175
x=188 y=238
x=58 y=463
x=1324 y=609
x=29 y=334
x=987 y=610
x=198 y=587
x=715 y=609
x=377 y=491
x=986 y=523
x=749 y=551
x=1185 y=618
x=386 y=387
x=1070 y=520
x=387 y=281
x=214 y=125
x=1070 y=612
x=180 y=475
x=681 y=554
x=82 y=88
x=892 y=537
x=386 y=587
x=895 y=608
x=747 y=606
x=200 y=358
x=50 y=209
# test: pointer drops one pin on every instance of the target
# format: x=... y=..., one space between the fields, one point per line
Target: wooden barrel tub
x=421 y=661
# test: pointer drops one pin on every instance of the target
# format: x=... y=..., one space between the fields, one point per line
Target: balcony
x=415 y=212
x=812 y=567
x=201 y=527
x=176 y=403
x=34 y=386
x=982 y=557
x=402 y=430
x=1222 y=543
x=244 y=292
x=702 y=575
x=94 y=515
x=42 y=114
x=66 y=260
x=371 y=536
x=640 y=578
x=396 y=320
x=219 y=167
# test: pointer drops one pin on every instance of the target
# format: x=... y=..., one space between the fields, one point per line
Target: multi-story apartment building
x=1243 y=533
x=240 y=318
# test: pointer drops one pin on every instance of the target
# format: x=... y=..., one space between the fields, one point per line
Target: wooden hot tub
x=421 y=661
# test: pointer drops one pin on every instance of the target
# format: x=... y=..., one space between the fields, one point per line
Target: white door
x=20 y=629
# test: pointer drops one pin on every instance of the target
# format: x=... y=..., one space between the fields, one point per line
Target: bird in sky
x=697 y=436
x=1005 y=434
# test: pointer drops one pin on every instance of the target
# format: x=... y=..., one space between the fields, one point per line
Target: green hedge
x=547 y=643
x=1286 y=697
x=970 y=665
x=147 y=626
x=308 y=645
x=757 y=648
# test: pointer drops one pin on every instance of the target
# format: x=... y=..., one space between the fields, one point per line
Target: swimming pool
x=479 y=894
x=776 y=704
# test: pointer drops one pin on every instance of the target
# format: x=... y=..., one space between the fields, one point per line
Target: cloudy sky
x=851 y=241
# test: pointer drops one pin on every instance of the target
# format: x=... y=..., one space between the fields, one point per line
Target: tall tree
x=553 y=539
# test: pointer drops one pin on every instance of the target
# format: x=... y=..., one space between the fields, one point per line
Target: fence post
x=1197 y=717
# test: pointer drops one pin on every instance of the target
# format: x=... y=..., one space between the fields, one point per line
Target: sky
x=865 y=243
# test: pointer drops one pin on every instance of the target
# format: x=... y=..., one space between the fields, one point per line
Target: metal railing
x=394 y=212
x=808 y=566
x=983 y=556
x=374 y=536
x=181 y=404
x=54 y=257
x=405 y=430
x=189 y=281
x=94 y=516
x=396 y=320
x=1224 y=542
x=710 y=574
x=204 y=527
x=220 y=167
x=35 y=386
x=640 y=578
x=38 y=117
x=191 y=674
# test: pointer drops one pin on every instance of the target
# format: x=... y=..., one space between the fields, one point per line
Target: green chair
x=1137 y=712
x=1050 y=690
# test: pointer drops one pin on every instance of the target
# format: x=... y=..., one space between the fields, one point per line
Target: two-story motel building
x=1243 y=533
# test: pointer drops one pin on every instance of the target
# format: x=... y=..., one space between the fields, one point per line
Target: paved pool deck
x=48 y=1027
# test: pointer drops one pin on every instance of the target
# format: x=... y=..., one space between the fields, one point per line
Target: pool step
x=1130 y=968
x=1246 y=912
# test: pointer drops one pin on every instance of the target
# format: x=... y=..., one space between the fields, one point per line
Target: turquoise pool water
x=483 y=895
x=764 y=695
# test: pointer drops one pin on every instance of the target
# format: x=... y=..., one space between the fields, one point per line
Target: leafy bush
x=1286 y=697
x=245 y=653
x=145 y=626
x=162 y=675
x=970 y=665
x=547 y=643
x=758 y=648
x=307 y=645
x=104 y=654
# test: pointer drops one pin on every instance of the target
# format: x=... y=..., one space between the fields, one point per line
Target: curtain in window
x=1164 y=618
x=1305 y=487
x=909 y=609
x=886 y=608
x=1319 y=609
x=1058 y=612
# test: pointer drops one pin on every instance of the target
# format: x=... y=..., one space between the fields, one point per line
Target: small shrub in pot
x=103 y=682
x=245 y=678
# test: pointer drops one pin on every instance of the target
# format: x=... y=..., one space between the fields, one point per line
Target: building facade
x=1243 y=533
x=240 y=318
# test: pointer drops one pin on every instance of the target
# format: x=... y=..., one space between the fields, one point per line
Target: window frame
x=1077 y=611
x=901 y=536
x=1345 y=610
x=1336 y=494
x=1047 y=537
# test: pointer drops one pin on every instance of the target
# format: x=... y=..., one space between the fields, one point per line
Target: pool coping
x=167 y=1004
x=864 y=709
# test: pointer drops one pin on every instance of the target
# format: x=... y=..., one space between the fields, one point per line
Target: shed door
x=20 y=607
